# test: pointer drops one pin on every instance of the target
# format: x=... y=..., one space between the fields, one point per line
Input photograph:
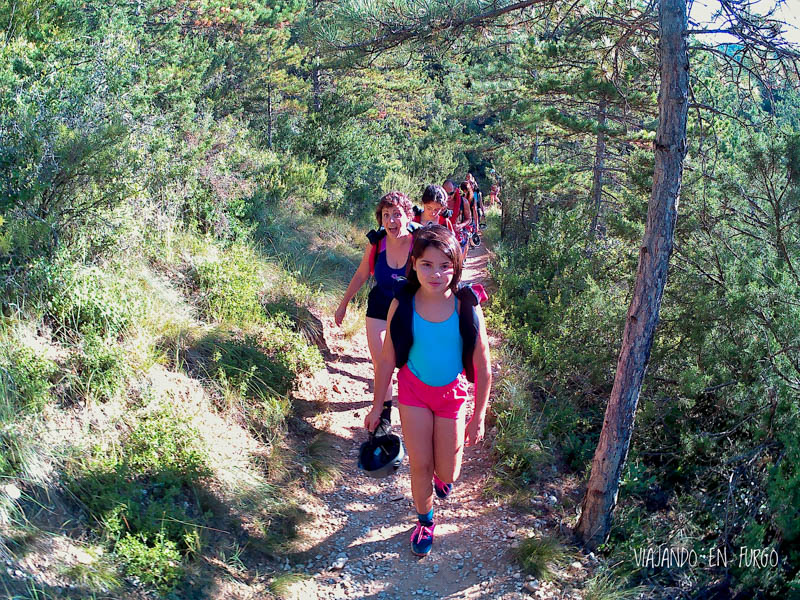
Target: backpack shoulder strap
x=469 y=296
x=401 y=329
x=376 y=235
x=374 y=238
x=472 y=293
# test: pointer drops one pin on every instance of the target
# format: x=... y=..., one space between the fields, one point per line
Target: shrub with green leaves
x=103 y=368
x=288 y=347
x=155 y=562
x=563 y=310
x=229 y=287
x=27 y=378
x=142 y=492
x=84 y=299
x=258 y=370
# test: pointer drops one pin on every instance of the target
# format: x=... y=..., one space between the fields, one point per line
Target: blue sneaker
x=422 y=539
x=441 y=488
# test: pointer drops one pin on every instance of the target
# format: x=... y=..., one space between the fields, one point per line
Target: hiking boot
x=422 y=539
x=441 y=488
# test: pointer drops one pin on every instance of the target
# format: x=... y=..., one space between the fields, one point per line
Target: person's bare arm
x=482 y=362
x=359 y=278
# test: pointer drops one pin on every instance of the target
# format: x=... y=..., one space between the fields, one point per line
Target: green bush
x=258 y=370
x=103 y=368
x=27 y=378
x=64 y=152
x=16 y=451
x=84 y=299
x=288 y=347
x=229 y=287
x=153 y=561
x=141 y=493
x=288 y=181
x=563 y=309
x=538 y=556
x=521 y=455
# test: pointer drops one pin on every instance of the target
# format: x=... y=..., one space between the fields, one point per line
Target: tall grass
x=159 y=469
x=523 y=452
x=539 y=556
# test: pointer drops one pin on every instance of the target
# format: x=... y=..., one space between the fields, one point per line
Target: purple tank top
x=385 y=276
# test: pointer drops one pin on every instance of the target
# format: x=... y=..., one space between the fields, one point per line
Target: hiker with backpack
x=436 y=336
x=454 y=202
x=469 y=226
x=434 y=204
x=478 y=200
x=387 y=256
x=459 y=212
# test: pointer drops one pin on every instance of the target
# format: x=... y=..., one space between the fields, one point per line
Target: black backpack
x=469 y=296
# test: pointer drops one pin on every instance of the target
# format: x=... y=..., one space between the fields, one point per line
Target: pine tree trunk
x=316 y=86
x=316 y=89
x=503 y=209
x=599 y=164
x=670 y=148
x=269 y=116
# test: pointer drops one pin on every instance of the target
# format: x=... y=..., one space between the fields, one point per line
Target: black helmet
x=381 y=455
x=476 y=239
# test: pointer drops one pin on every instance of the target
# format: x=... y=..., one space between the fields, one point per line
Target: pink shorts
x=443 y=401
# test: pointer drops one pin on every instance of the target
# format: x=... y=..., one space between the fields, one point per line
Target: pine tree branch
x=391 y=35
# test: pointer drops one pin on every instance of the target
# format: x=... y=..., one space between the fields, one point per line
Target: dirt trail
x=358 y=544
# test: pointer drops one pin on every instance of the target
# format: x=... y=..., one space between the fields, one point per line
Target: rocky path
x=358 y=543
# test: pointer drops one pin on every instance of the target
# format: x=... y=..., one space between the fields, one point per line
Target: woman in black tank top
x=393 y=214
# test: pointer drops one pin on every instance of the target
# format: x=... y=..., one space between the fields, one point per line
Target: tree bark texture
x=670 y=148
x=599 y=164
x=269 y=116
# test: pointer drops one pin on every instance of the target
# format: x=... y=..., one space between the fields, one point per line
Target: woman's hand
x=339 y=314
x=475 y=431
x=373 y=418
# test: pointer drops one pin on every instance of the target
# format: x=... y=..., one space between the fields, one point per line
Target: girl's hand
x=373 y=418
x=474 y=432
x=339 y=314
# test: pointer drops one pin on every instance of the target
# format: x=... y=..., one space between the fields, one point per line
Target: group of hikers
x=459 y=208
x=422 y=320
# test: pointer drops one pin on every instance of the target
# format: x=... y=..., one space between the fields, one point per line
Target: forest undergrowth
x=147 y=410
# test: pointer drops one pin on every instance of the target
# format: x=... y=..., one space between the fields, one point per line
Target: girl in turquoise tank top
x=432 y=387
